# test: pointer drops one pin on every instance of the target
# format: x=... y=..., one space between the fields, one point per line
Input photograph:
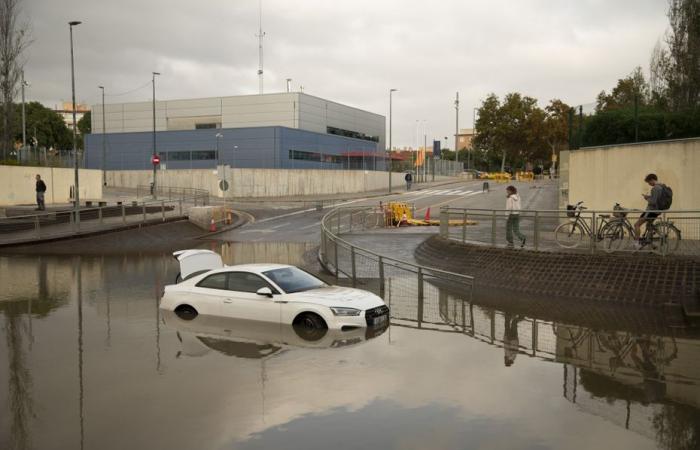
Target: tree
x=85 y=124
x=45 y=125
x=557 y=126
x=14 y=39
x=675 y=67
x=623 y=95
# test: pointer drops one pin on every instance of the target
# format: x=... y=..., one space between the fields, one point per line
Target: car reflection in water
x=254 y=339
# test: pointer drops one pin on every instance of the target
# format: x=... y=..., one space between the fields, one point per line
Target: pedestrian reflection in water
x=510 y=338
x=650 y=359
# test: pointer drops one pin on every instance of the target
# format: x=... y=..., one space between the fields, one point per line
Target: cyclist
x=655 y=201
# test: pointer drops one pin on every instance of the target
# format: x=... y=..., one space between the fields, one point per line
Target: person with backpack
x=659 y=199
x=409 y=179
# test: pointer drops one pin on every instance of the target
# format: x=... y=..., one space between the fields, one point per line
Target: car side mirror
x=266 y=291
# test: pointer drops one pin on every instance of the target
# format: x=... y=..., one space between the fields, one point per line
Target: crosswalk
x=443 y=192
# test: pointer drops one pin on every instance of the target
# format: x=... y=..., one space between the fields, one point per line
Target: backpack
x=666 y=198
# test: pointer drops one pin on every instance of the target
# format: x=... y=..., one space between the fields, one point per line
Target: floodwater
x=88 y=361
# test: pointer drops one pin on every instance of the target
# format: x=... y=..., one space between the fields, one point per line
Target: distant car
x=276 y=293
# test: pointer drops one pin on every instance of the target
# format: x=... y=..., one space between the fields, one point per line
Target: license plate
x=380 y=320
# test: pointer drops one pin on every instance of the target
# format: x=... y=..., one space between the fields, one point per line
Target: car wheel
x=310 y=326
x=186 y=312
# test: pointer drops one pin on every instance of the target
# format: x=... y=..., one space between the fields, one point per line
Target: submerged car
x=277 y=293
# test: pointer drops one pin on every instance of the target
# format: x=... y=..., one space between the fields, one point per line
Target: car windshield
x=292 y=279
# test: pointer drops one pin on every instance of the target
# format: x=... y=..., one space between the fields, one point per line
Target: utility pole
x=153 y=184
x=391 y=168
x=104 y=140
x=260 y=35
x=76 y=188
x=457 y=128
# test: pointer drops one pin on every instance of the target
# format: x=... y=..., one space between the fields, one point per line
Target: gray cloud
x=347 y=51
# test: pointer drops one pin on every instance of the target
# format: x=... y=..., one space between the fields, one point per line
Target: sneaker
x=522 y=244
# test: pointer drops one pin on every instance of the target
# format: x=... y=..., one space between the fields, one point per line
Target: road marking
x=295 y=213
x=280 y=225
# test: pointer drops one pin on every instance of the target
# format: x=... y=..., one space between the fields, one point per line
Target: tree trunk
x=503 y=162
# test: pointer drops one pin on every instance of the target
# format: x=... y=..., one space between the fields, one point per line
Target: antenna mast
x=260 y=35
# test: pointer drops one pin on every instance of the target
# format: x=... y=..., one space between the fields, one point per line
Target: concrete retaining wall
x=263 y=182
x=17 y=184
x=602 y=176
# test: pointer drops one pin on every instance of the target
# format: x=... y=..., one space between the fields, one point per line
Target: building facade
x=286 y=130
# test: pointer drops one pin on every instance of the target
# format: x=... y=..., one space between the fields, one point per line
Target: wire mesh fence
x=610 y=231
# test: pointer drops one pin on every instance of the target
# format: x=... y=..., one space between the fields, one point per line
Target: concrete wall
x=602 y=176
x=17 y=184
x=263 y=182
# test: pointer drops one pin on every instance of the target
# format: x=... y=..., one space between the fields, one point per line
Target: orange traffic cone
x=212 y=226
x=427 y=214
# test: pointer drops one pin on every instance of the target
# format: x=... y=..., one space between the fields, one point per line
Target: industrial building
x=282 y=130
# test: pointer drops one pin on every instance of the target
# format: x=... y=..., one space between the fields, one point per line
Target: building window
x=188 y=155
x=204 y=154
x=204 y=126
x=177 y=156
x=314 y=156
x=352 y=134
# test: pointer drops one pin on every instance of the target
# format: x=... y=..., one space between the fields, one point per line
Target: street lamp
x=76 y=193
x=391 y=91
x=153 y=184
x=24 y=118
x=104 y=140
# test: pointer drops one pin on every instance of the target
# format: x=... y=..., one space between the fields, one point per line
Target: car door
x=244 y=302
x=209 y=293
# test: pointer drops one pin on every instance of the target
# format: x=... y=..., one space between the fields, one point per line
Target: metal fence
x=62 y=223
x=593 y=231
x=406 y=287
x=172 y=193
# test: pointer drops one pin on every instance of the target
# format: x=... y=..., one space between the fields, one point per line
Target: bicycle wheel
x=569 y=234
x=616 y=236
x=665 y=238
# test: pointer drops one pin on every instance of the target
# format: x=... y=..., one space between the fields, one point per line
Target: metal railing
x=550 y=230
x=172 y=193
x=370 y=270
x=62 y=223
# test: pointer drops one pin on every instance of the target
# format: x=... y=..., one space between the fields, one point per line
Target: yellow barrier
x=525 y=176
x=397 y=211
x=501 y=177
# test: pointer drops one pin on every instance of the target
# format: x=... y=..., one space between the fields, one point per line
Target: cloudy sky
x=351 y=52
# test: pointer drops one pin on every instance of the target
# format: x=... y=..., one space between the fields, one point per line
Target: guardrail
x=556 y=230
x=62 y=223
x=363 y=267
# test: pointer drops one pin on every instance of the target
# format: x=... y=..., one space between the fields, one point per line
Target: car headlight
x=339 y=311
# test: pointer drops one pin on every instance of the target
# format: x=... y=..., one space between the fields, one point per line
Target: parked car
x=276 y=293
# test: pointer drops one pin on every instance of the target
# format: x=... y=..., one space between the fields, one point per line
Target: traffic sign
x=155 y=160
x=223 y=185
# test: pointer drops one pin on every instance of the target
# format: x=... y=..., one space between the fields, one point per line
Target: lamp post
x=104 y=140
x=391 y=91
x=24 y=118
x=153 y=184
x=457 y=128
x=76 y=188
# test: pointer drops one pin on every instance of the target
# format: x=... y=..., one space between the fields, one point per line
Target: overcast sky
x=351 y=52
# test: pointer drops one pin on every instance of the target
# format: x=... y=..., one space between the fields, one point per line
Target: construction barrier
x=524 y=176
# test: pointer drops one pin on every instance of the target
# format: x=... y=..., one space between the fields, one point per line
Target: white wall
x=18 y=184
x=263 y=182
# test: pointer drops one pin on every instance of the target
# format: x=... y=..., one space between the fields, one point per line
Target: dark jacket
x=408 y=177
x=40 y=186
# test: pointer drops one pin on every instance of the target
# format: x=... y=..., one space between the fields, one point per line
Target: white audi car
x=277 y=293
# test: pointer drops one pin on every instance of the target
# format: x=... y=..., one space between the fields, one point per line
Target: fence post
x=99 y=215
x=536 y=239
x=594 y=232
x=337 y=224
x=123 y=214
x=36 y=226
x=144 y=211
x=352 y=265
x=464 y=227
x=350 y=221
x=336 y=257
x=444 y=222
x=381 y=277
x=180 y=205
x=170 y=193
x=420 y=296
x=493 y=228
x=162 y=208
x=534 y=337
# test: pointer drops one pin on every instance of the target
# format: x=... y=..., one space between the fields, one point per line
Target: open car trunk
x=193 y=262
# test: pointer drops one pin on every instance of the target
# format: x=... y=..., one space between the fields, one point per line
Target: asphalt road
x=280 y=223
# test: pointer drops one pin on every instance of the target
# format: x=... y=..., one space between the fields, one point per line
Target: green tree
x=44 y=125
x=557 y=126
x=624 y=93
x=85 y=124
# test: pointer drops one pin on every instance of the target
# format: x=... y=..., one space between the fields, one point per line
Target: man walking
x=40 y=190
x=409 y=179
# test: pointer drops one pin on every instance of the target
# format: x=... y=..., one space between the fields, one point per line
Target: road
x=279 y=223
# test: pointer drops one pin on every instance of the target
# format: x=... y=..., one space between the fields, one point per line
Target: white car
x=277 y=293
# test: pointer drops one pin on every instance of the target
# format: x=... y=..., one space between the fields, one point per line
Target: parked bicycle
x=616 y=232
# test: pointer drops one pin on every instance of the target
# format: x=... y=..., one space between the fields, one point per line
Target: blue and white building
x=283 y=130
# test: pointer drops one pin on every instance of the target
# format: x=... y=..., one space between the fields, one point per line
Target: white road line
x=280 y=225
x=295 y=213
x=316 y=224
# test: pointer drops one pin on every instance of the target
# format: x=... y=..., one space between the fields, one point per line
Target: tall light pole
x=471 y=144
x=153 y=184
x=24 y=118
x=104 y=140
x=76 y=188
x=221 y=164
x=457 y=128
x=391 y=92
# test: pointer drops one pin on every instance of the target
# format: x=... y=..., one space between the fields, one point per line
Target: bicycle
x=660 y=234
x=570 y=234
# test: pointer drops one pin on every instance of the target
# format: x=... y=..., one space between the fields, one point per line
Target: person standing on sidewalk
x=513 y=216
x=409 y=180
x=40 y=191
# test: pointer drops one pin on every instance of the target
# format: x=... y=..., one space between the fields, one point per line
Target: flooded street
x=88 y=361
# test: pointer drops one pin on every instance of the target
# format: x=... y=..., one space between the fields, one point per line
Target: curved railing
x=550 y=230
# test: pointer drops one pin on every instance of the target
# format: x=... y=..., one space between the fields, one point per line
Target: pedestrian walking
x=409 y=180
x=513 y=216
x=40 y=191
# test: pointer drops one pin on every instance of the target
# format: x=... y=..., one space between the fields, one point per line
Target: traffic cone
x=427 y=214
x=212 y=226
